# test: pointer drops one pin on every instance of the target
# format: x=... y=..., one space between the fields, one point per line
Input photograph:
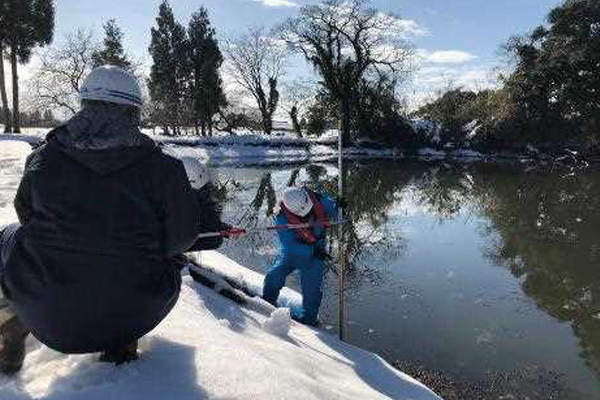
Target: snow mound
x=209 y=347
x=252 y=281
x=12 y=163
x=279 y=323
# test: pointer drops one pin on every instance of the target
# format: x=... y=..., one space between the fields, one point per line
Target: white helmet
x=197 y=172
x=111 y=84
x=297 y=201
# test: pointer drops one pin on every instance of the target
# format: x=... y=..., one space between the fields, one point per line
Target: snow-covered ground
x=254 y=149
x=208 y=348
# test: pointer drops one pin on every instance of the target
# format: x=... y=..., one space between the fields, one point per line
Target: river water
x=479 y=278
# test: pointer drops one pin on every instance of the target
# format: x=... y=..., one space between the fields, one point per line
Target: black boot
x=122 y=355
x=12 y=352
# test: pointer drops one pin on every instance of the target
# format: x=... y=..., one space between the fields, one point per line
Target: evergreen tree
x=169 y=75
x=6 y=119
x=206 y=59
x=112 y=52
x=27 y=24
x=556 y=91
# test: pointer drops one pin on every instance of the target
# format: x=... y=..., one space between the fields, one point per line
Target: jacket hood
x=107 y=160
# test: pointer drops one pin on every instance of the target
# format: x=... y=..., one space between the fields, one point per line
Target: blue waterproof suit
x=296 y=254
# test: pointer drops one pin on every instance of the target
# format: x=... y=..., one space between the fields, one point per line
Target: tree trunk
x=346 y=118
x=6 y=111
x=295 y=123
x=293 y=177
x=15 y=89
x=267 y=123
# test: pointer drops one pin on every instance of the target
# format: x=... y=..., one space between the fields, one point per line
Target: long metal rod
x=242 y=231
x=341 y=247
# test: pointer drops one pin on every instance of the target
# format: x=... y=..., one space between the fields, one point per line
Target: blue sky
x=472 y=29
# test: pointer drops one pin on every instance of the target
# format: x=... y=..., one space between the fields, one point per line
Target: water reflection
x=550 y=241
x=541 y=225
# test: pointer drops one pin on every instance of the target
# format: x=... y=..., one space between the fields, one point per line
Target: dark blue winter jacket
x=91 y=268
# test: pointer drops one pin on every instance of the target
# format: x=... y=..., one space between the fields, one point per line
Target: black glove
x=341 y=202
x=321 y=253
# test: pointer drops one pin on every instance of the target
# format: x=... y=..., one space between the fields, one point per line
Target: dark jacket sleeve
x=179 y=208
x=23 y=198
x=210 y=221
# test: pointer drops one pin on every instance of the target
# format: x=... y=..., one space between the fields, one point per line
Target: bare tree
x=297 y=97
x=57 y=80
x=257 y=62
x=346 y=41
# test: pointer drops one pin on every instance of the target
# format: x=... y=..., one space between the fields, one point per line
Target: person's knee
x=276 y=276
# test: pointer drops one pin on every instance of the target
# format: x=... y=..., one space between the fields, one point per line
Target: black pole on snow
x=341 y=247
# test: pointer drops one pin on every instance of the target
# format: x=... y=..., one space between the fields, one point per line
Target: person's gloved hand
x=321 y=253
x=341 y=202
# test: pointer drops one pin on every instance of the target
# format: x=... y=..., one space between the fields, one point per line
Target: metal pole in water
x=341 y=249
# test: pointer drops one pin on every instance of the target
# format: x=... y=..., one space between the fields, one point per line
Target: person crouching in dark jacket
x=102 y=213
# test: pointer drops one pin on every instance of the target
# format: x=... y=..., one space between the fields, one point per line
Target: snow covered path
x=208 y=348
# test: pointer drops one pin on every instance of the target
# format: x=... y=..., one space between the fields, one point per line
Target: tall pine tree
x=3 y=43
x=169 y=75
x=28 y=23
x=112 y=52
x=206 y=86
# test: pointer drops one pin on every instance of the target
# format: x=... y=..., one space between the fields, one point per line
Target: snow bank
x=279 y=322
x=208 y=347
x=252 y=149
x=12 y=163
x=251 y=280
x=31 y=138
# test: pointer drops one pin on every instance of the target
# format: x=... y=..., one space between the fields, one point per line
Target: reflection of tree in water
x=546 y=232
x=444 y=190
x=370 y=191
x=549 y=238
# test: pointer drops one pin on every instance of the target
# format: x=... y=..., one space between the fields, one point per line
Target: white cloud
x=277 y=3
x=396 y=26
x=412 y=28
x=450 y=57
x=431 y=81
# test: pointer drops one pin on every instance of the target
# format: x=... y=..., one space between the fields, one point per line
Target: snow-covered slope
x=208 y=348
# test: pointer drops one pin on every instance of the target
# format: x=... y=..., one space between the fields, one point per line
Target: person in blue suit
x=302 y=249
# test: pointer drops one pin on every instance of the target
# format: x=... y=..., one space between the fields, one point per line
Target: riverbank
x=253 y=149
